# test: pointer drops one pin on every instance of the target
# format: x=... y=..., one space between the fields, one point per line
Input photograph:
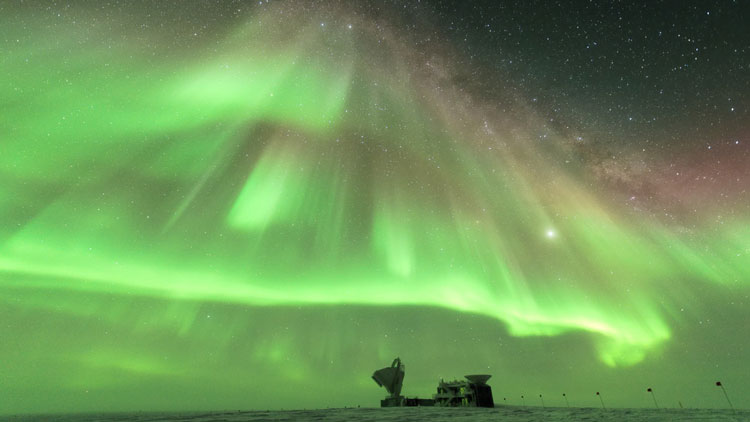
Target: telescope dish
x=478 y=379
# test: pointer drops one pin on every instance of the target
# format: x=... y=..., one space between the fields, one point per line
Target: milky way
x=193 y=200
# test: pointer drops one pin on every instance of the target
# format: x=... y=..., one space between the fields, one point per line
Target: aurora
x=291 y=193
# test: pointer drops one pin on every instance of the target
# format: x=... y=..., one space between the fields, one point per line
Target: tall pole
x=566 y=400
x=523 y=400
x=601 y=400
x=650 y=390
x=718 y=384
x=542 y=398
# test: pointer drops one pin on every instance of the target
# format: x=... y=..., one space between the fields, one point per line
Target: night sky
x=238 y=205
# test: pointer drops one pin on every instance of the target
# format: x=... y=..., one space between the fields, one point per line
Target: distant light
x=551 y=234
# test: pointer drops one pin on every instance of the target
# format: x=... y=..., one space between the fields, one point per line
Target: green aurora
x=224 y=222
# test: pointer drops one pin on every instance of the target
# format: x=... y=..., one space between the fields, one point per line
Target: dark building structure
x=472 y=392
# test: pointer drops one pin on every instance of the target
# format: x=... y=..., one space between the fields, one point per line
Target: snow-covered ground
x=426 y=414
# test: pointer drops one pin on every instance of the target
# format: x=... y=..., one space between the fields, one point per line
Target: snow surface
x=412 y=414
